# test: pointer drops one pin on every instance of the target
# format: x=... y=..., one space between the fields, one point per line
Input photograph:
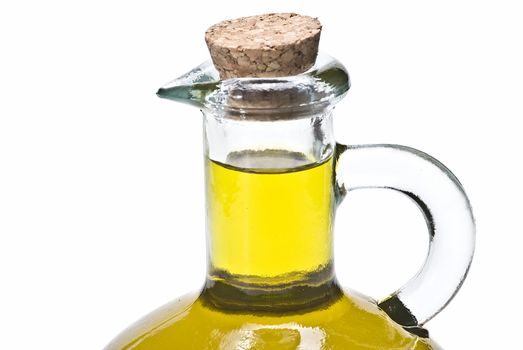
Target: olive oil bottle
x=274 y=178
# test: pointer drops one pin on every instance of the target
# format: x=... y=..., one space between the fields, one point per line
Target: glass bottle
x=274 y=178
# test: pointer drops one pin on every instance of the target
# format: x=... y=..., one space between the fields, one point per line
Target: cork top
x=269 y=45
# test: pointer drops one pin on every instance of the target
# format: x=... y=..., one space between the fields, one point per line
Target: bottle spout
x=321 y=86
x=193 y=87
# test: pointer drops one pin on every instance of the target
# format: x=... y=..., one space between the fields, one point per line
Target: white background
x=101 y=182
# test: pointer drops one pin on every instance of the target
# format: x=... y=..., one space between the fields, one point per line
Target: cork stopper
x=270 y=45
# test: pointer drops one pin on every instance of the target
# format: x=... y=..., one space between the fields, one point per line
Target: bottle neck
x=270 y=199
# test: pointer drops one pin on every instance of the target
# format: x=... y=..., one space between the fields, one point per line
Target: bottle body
x=351 y=322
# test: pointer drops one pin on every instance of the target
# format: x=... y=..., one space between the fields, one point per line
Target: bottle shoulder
x=351 y=322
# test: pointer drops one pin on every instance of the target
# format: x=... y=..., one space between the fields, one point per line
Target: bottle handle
x=447 y=211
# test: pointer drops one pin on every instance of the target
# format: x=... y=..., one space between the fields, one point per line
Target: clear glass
x=274 y=178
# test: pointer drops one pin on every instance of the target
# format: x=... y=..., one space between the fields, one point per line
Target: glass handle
x=447 y=211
